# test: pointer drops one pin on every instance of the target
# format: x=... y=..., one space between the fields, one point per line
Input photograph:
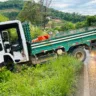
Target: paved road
x=87 y=83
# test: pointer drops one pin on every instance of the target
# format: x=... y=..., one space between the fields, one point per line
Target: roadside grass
x=56 y=78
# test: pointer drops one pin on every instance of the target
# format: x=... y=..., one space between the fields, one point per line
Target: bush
x=67 y=26
x=56 y=78
x=36 y=31
x=81 y=24
x=3 y=18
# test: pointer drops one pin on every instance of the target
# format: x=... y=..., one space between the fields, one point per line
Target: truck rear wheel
x=59 y=51
x=79 y=53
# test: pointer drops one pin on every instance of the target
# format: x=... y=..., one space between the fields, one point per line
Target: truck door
x=1 y=54
x=1 y=51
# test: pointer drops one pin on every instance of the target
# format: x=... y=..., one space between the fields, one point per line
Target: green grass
x=57 y=78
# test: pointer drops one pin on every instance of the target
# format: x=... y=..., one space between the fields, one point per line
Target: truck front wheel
x=79 y=53
x=8 y=62
x=10 y=65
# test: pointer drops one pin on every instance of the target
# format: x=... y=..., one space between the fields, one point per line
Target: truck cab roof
x=9 y=24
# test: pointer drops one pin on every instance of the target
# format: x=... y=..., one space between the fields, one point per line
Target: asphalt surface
x=87 y=78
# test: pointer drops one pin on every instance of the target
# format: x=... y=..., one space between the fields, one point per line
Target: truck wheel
x=79 y=53
x=8 y=62
x=10 y=65
x=59 y=51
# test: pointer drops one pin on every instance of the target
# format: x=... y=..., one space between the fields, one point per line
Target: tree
x=44 y=6
x=91 y=20
x=31 y=12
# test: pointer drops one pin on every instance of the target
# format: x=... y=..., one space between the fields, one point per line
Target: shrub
x=3 y=18
x=36 y=31
x=56 y=78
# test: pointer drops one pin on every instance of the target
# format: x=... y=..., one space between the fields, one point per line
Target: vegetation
x=11 y=15
x=36 y=31
x=56 y=78
x=67 y=26
x=35 y=15
x=74 y=17
x=81 y=24
x=32 y=11
x=11 y=8
x=18 y=5
x=91 y=20
x=11 y=4
x=3 y=18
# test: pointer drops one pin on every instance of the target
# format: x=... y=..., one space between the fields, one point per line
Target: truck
x=24 y=50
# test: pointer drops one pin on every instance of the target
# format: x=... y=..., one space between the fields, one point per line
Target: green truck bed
x=64 y=42
x=61 y=41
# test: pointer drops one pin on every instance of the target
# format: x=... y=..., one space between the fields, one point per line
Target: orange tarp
x=41 y=38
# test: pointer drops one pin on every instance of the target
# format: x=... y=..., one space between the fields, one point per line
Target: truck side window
x=1 y=47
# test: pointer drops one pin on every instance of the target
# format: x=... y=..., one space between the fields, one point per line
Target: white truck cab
x=9 y=52
x=2 y=52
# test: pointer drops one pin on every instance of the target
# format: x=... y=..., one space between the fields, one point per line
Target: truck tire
x=59 y=51
x=79 y=53
x=10 y=65
x=8 y=62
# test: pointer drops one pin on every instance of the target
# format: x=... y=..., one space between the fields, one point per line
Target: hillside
x=12 y=8
x=73 y=17
x=10 y=4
